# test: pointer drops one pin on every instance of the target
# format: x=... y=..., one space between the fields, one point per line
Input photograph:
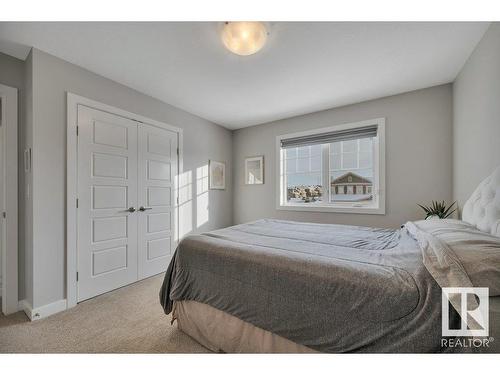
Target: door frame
x=73 y=101
x=9 y=200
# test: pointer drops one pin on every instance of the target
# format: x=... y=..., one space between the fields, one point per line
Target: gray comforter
x=333 y=288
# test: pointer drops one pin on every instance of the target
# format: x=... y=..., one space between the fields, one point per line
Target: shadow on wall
x=193 y=207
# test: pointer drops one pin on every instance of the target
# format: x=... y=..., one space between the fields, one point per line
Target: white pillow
x=477 y=252
x=482 y=209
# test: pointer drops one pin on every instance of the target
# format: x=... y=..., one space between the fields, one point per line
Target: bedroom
x=239 y=179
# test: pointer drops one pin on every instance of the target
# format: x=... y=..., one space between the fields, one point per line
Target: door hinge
x=76 y=202
x=77 y=130
x=4 y=214
x=77 y=276
x=177 y=151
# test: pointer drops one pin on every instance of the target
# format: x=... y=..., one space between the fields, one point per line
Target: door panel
x=159 y=196
x=109 y=197
x=108 y=260
x=108 y=134
x=161 y=144
x=106 y=165
x=109 y=228
x=158 y=248
x=157 y=149
x=158 y=222
x=158 y=170
x=107 y=186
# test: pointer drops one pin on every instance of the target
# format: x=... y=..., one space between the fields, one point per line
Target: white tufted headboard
x=482 y=209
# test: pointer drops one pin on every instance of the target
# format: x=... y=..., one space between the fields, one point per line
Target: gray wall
x=52 y=78
x=476 y=116
x=12 y=74
x=11 y=71
x=418 y=157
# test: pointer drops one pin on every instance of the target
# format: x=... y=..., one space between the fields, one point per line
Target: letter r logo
x=472 y=304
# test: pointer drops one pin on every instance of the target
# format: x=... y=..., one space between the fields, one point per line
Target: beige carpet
x=127 y=320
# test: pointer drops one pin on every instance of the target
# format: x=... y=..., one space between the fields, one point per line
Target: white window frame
x=376 y=207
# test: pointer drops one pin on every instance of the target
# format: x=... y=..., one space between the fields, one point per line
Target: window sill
x=336 y=208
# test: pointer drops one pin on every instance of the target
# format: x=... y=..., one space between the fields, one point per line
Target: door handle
x=142 y=208
x=131 y=209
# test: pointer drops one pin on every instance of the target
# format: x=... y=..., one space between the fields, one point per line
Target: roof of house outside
x=355 y=178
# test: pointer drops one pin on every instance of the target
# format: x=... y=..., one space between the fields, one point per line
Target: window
x=339 y=169
x=303 y=169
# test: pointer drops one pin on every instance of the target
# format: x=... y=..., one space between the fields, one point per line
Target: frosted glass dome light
x=244 y=38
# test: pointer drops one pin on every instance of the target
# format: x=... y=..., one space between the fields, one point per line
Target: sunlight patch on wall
x=202 y=213
x=185 y=207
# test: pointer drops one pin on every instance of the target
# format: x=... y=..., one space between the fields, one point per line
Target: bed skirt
x=222 y=332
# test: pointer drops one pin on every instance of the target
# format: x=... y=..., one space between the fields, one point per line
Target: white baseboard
x=26 y=307
x=42 y=311
x=23 y=304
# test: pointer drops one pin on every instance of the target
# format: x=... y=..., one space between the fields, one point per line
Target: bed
x=282 y=286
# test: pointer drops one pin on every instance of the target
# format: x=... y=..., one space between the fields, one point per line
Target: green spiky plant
x=439 y=209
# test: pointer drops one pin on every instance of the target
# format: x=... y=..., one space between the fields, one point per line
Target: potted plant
x=438 y=210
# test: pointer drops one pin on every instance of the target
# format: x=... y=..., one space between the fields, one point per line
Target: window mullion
x=284 y=179
x=342 y=155
x=357 y=154
x=325 y=172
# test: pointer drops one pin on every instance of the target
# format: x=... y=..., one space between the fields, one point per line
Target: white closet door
x=107 y=187
x=157 y=169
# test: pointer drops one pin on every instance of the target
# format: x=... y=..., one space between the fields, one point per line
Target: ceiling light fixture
x=244 y=38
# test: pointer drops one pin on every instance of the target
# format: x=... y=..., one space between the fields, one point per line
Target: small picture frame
x=254 y=170
x=217 y=175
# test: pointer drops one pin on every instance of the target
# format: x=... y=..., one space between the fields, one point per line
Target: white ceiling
x=304 y=67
